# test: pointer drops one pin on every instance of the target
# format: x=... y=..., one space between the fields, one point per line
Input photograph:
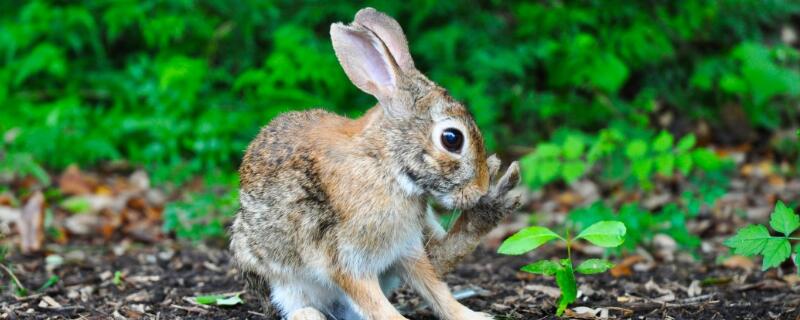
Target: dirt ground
x=158 y=282
x=115 y=261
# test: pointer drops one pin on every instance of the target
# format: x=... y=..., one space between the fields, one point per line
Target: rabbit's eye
x=452 y=140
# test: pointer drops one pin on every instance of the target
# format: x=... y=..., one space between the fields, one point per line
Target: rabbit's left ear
x=368 y=63
x=390 y=32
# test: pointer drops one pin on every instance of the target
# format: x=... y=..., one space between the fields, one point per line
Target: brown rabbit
x=334 y=208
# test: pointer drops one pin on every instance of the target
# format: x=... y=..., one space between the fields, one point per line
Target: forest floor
x=113 y=260
x=159 y=282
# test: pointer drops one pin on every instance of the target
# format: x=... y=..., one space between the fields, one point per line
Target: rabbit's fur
x=333 y=208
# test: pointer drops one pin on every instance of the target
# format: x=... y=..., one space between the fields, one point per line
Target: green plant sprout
x=755 y=239
x=606 y=234
x=222 y=300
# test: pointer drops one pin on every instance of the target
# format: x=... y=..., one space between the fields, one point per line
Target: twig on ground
x=257 y=314
x=191 y=301
x=13 y=277
x=189 y=308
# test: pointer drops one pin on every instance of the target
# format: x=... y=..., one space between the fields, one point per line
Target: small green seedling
x=117 y=280
x=607 y=234
x=755 y=239
x=49 y=283
x=219 y=300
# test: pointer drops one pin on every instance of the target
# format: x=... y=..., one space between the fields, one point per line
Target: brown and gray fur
x=332 y=208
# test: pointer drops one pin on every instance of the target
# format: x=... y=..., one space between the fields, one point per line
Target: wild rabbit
x=333 y=208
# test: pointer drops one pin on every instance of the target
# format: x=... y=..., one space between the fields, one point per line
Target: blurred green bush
x=181 y=87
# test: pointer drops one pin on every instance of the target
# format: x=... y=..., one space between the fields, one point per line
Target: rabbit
x=333 y=211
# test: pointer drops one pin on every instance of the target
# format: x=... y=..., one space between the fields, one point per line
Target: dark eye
x=452 y=140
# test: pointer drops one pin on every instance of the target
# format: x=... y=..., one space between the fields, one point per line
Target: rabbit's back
x=284 y=205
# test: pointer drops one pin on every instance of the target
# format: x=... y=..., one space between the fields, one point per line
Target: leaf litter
x=115 y=260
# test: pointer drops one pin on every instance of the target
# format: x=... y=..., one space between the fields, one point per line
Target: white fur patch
x=432 y=221
x=409 y=187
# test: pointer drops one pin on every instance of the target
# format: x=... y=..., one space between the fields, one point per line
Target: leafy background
x=621 y=90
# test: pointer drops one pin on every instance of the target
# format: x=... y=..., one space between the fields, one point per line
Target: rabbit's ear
x=366 y=61
x=390 y=32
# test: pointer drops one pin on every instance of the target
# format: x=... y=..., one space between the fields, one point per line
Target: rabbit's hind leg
x=304 y=299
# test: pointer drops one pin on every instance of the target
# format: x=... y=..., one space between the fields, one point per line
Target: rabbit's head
x=430 y=140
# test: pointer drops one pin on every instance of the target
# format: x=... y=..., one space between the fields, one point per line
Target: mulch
x=114 y=261
x=158 y=282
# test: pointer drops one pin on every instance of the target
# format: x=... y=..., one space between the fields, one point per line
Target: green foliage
x=606 y=234
x=571 y=155
x=757 y=240
x=642 y=224
x=117 y=280
x=49 y=283
x=219 y=300
x=603 y=233
x=593 y=266
x=633 y=158
x=180 y=87
x=527 y=239
x=202 y=215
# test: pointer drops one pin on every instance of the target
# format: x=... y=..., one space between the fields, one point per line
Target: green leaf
x=573 y=147
x=749 y=240
x=50 y=282
x=733 y=84
x=665 y=164
x=663 y=142
x=545 y=267
x=605 y=234
x=637 y=148
x=783 y=219
x=218 y=299
x=607 y=72
x=208 y=299
x=230 y=301
x=687 y=143
x=593 y=266
x=684 y=163
x=706 y=159
x=565 y=278
x=548 y=170
x=776 y=252
x=76 y=204
x=117 y=280
x=572 y=170
x=797 y=258
x=526 y=240
x=547 y=150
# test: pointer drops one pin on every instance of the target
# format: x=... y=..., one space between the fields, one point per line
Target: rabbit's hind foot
x=307 y=313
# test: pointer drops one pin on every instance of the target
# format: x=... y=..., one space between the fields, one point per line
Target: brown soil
x=158 y=280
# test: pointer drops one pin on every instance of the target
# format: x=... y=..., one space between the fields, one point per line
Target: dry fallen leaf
x=791 y=279
x=740 y=262
x=75 y=182
x=623 y=269
x=586 y=313
x=553 y=292
x=8 y=216
x=31 y=224
x=694 y=289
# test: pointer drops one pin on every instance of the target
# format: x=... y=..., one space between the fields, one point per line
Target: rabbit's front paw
x=498 y=202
